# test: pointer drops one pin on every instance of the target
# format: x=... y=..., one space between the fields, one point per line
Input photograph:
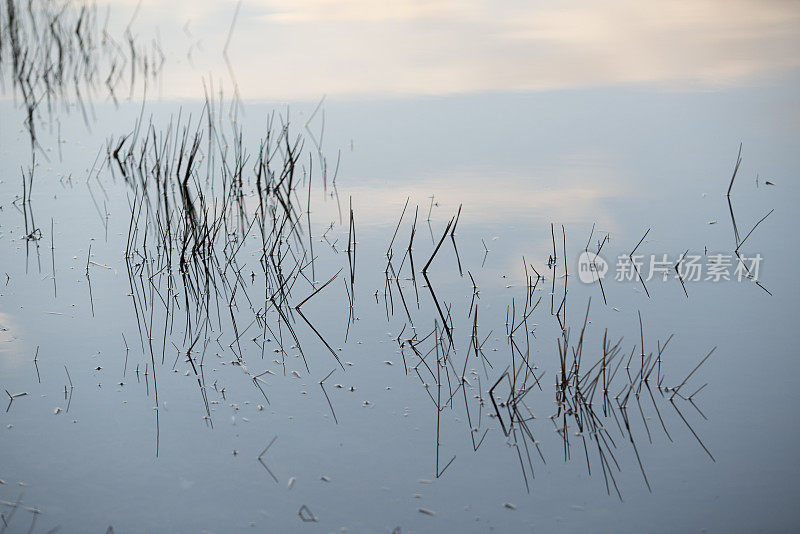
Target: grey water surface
x=88 y=306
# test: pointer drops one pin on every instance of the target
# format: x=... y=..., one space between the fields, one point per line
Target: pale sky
x=302 y=49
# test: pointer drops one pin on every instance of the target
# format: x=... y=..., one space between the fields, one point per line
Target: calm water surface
x=601 y=155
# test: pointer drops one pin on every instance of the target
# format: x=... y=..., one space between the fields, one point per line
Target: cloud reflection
x=496 y=198
x=289 y=50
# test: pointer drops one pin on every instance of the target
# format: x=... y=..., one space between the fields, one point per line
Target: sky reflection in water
x=643 y=112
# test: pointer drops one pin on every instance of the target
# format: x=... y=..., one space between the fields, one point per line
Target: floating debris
x=306 y=515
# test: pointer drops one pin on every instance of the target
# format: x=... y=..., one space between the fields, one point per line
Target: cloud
x=301 y=49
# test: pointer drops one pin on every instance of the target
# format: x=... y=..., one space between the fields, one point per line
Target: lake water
x=507 y=143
